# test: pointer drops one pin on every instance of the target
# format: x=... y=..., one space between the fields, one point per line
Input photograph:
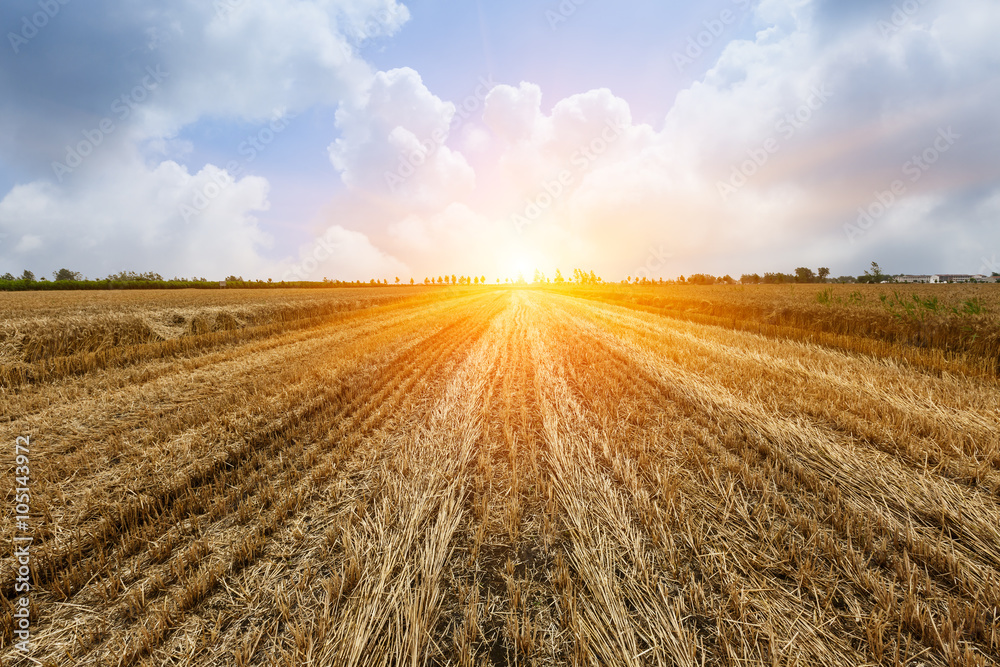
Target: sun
x=524 y=263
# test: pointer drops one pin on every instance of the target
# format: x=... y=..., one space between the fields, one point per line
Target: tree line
x=64 y=279
x=68 y=279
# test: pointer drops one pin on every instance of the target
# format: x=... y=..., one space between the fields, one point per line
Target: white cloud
x=341 y=254
x=228 y=60
x=457 y=239
x=816 y=119
x=251 y=62
x=842 y=113
x=392 y=144
x=130 y=218
x=513 y=113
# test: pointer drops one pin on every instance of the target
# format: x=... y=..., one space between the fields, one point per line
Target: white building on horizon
x=961 y=278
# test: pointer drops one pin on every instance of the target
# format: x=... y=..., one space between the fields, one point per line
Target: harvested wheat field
x=491 y=477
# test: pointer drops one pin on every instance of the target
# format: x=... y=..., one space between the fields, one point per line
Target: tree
x=66 y=274
x=27 y=276
x=823 y=273
x=411 y=281
x=804 y=275
x=559 y=277
x=131 y=276
x=750 y=279
x=397 y=280
x=875 y=275
x=7 y=276
x=482 y=279
x=453 y=281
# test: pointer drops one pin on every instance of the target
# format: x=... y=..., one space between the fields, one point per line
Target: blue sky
x=794 y=134
x=624 y=47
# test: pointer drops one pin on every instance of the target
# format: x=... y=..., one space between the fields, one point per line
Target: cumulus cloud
x=250 y=62
x=225 y=59
x=393 y=143
x=513 y=113
x=131 y=218
x=458 y=237
x=438 y=214
x=85 y=129
x=846 y=115
x=761 y=165
x=341 y=254
x=767 y=160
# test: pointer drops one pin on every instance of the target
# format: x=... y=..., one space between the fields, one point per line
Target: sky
x=357 y=139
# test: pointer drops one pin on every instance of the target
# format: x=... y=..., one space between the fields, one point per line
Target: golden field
x=47 y=334
x=479 y=476
x=959 y=325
